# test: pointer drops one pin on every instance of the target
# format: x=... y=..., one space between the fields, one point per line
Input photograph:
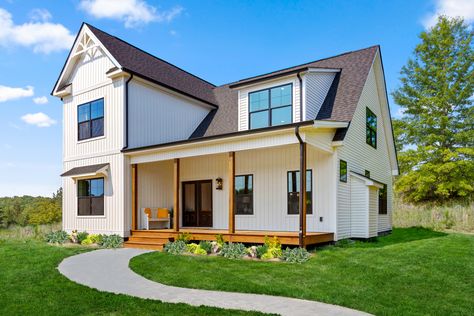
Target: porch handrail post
x=231 y=192
x=134 y=195
x=302 y=202
x=176 y=194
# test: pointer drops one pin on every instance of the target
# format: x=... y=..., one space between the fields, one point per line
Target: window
x=371 y=128
x=271 y=107
x=244 y=195
x=90 y=194
x=294 y=192
x=90 y=119
x=367 y=174
x=383 y=200
x=342 y=171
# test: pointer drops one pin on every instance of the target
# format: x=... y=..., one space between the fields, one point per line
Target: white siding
x=361 y=156
x=113 y=221
x=156 y=116
x=359 y=208
x=373 y=211
x=316 y=88
x=243 y=117
x=269 y=168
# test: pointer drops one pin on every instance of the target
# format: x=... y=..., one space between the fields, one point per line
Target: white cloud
x=40 y=100
x=39 y=119
x=41 y=35
x=132 y=12
x=9 y=93
x=452 y=8
x=40 y=15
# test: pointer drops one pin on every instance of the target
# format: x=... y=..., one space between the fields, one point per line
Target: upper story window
x=90 y=119
x=271 y=107
x=371 y=128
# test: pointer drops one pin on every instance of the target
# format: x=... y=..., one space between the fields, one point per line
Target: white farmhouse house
x=151 y=150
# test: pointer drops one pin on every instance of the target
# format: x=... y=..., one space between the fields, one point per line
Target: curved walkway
x=107 y=270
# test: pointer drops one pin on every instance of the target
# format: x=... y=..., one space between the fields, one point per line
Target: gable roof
x=140 y=63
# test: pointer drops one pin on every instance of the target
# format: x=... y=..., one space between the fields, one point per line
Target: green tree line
x=29 y=210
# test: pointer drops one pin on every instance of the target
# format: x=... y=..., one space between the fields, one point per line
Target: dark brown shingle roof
x=143 y=64
x=84 y=170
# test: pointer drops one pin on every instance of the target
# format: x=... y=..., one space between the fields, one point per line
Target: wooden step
x=143 y=245
x=156 y=234
x=157 y=240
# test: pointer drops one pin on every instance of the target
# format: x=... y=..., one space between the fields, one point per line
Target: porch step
x=147 y=239
x=153 y=234
x=143 y=245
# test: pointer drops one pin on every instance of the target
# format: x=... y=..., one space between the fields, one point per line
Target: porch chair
x=160 y=215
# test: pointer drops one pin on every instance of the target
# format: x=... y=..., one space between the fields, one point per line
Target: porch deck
x=156 y=239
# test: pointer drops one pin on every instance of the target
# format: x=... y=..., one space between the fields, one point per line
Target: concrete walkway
x=107 y=270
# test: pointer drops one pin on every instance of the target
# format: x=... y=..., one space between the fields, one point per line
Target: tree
x=436 y=132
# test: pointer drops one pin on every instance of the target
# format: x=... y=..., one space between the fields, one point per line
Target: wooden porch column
x=134 y=195
x=231 y=192
x=302 y=202
x=176 y=195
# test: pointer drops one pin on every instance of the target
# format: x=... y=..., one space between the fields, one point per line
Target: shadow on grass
x=398 y=236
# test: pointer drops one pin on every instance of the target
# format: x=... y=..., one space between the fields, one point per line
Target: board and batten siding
x=89 y=82
x=269 y=168
x=157 y=116
x=115 y=199
x=243 y=99
x=360 y=157
x=315 y=89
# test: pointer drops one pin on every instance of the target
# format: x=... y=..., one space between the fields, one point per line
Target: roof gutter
x=126 y=111
x=302 y=197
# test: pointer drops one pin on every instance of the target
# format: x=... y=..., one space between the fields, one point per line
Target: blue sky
x=218 y=41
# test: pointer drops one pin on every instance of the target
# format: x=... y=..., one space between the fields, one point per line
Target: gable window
x=244 y=195
x=90 y=194
x=383 y=200
x=371 y=128
x=342 y=171
x=90 y=119
x=294 y=192
x=271 y=107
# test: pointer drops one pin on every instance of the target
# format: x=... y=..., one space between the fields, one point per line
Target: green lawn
x=30 y=284
x=414 y=271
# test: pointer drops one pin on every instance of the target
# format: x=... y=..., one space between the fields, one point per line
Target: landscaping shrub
x=57 y=237
x=191 y=248
x=220 y=240
x=206 y=246
x=111 y=241
x=81 y=236
x=175 y=248
x=92 y=239
x=295 y=255
x=233 y=251
x=261 y=250
x=200 y=251
x=186 y=237
x=273 y=248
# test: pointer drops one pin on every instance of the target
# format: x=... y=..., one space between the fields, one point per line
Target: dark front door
x=197 y=203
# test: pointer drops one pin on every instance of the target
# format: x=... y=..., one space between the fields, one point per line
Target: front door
x=197 y=203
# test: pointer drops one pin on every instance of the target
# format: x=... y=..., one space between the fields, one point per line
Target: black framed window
x=383 y=200
x=90 y=119
x=367 y=174
x=271 y=107
x=90 y=194
x=371 y=128
x=293 y=179
x=244 y=195
x=342 y=171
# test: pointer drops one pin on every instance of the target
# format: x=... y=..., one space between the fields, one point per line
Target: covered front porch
x=243 y=195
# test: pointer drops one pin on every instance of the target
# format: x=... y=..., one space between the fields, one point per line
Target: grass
x=31 y=285
x=449 y=217
x=414 y=271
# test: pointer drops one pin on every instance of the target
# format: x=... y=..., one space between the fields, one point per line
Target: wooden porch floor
x=155 y=239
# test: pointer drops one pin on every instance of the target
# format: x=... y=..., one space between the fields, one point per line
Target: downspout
x=302 y=192
x=126 y=111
